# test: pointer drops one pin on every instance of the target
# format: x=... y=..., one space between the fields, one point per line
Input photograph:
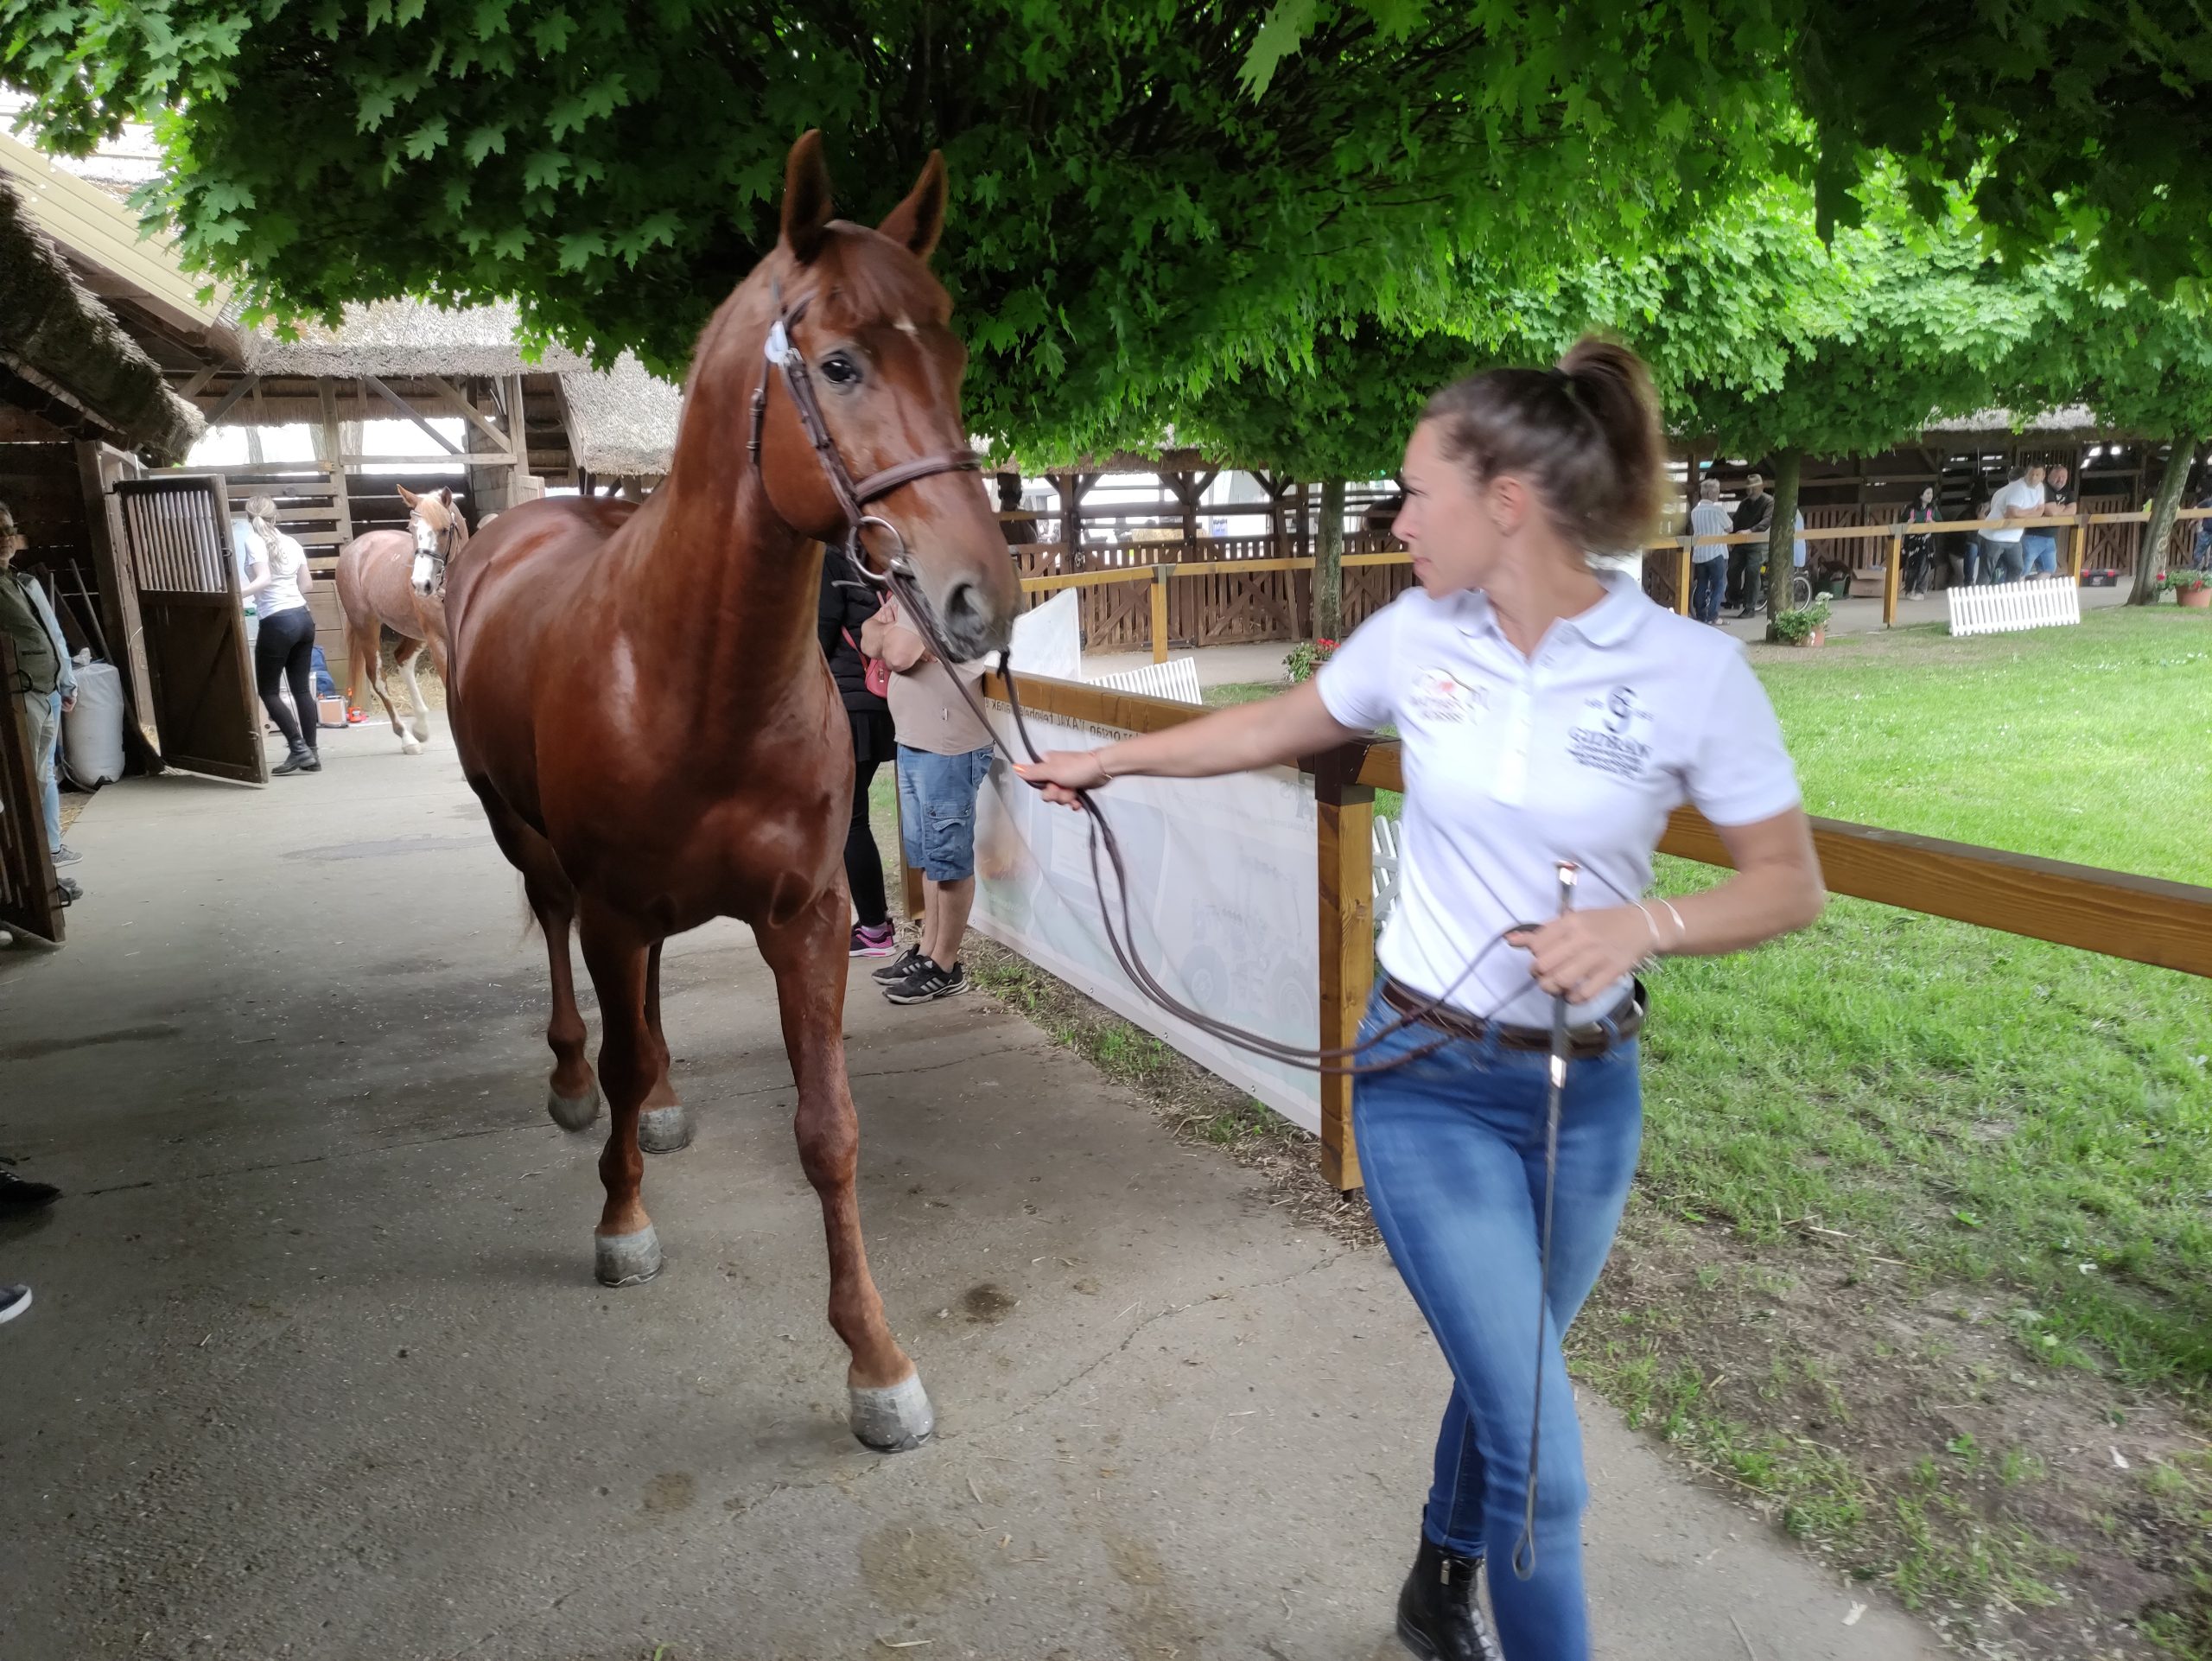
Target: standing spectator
x=2200 y=554
x=46 y=681
x=285 y=648
x=944 y=753
x=2039 y=547
x=1919 y=545
x=1708 y=560
x=2020 y=500
x=1747 y=561
x=840 y=618
x=1798 y=553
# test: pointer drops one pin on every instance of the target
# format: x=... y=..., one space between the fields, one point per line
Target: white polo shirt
x=1512 y=764
x=2021 y=494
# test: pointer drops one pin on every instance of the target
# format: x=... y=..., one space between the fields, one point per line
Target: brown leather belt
x=1587 y=1041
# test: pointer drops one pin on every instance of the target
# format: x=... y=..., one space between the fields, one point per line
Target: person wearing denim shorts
x=1546 y=713
x=945 y=754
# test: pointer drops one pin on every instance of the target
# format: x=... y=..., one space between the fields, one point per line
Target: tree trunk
x=1328 y=564
x=1788 y=465
x=2150 y=559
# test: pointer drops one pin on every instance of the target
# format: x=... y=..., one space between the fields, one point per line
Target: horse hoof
x=409 y=747
x=664 y=1130
x=894 y=1420
x=626 y=1259
x=573 y=1112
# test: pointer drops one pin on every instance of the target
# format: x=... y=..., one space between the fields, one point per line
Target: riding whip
x=1524 y=1549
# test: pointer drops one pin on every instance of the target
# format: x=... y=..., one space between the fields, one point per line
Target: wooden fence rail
x=1219 y=590
x=2143 y=920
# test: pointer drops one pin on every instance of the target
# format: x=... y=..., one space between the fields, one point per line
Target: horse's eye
x=839 y=370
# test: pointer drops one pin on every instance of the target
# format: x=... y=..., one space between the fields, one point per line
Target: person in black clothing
x=845 y=603
x=1919 y=545
x=1747 y=560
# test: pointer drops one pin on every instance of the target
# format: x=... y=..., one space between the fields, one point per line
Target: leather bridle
x=853 y=496
x=444 y=544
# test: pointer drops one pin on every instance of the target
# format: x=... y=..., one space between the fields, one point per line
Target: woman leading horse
x=1548 y=714
x=640 y=702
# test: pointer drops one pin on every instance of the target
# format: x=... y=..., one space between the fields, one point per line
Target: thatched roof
x=67 y=348
x=621 y=421
x=388 y=338
x=2074 y=418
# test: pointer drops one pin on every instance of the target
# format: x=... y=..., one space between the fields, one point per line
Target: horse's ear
x=408 y=496
x=806 y=197
x=919 y=220
x=445 y=495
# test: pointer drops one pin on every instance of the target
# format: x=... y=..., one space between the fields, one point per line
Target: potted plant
x=1804 y=626
x=2191 y=588
x=1307 y=656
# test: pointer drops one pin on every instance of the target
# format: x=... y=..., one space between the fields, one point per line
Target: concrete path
x=317 y=1368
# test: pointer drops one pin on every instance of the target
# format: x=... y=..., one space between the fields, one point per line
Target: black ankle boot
x=301 y=760
x=1438 y=1618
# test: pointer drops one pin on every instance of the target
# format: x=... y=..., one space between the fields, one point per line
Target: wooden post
x=335 y=454
x=1889 y=581
x=1343 y=822
x=1159 y=574
x=2077 y=544
x=1682 y=563
x=910 y=878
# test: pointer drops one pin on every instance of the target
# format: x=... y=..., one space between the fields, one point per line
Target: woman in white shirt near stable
x=1546 y=714
x=284 y=648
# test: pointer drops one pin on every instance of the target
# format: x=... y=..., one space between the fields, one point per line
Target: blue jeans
x=1706 y=578
x=49 y=778
x=2038 y=552
x=1452 y=1149
x=936 y=810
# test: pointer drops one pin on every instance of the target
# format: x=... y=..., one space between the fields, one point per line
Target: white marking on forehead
x=906 y=327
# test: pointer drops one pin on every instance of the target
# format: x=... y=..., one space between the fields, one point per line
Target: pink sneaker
x=878 y=942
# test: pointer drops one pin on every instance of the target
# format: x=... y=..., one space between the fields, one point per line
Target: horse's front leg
x=891 y=1411
x=665 y=1124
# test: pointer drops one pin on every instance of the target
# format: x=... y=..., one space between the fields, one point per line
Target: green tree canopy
x=1138 y=208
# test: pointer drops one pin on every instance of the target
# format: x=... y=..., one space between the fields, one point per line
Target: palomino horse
x=640 y=704
x=395 y=580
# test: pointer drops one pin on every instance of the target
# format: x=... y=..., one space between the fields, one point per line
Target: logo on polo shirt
x=1438 y=695
x=1610 y=734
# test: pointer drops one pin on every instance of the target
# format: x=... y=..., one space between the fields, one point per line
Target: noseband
x=853 y=496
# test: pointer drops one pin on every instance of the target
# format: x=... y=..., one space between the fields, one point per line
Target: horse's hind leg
x=890 y=1410
x=665 y=1124
x=572 y=1094
x=409 y=657
x=625 y=1248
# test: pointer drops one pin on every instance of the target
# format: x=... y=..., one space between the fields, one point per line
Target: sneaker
x=65 y=854
x=14 y=1300
x=928 y=984
x=900 y=967
x=878 y=942
x=20 y=1193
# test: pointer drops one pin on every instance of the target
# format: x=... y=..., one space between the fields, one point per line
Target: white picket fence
x=2007 y=608
x=1385 y=843
x=1177 y=679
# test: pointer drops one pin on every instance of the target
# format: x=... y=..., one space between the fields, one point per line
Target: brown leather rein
x=853 y=495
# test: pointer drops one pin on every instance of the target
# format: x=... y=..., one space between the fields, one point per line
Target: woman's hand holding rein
x=1262 y=734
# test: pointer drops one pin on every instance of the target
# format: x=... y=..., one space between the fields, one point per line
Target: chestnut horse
x=640 y=702
x=395 y=580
